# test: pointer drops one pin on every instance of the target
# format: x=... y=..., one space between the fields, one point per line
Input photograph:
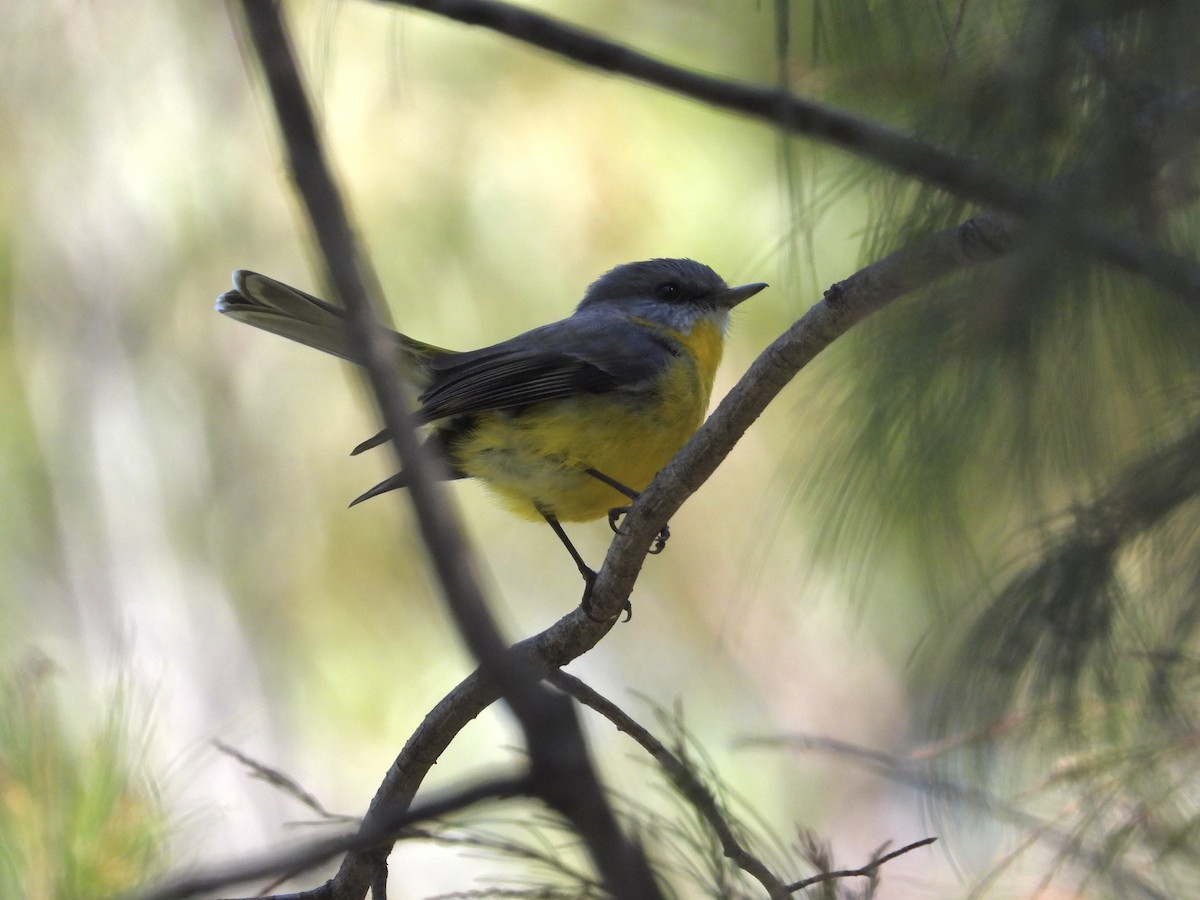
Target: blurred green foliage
x=1022 y=436
x=79 y=818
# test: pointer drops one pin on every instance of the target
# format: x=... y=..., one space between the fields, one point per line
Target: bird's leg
x=589 y=574
x=614 y=514
x=613 y=483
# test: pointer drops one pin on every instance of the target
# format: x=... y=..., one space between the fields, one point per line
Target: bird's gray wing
x=582 y=354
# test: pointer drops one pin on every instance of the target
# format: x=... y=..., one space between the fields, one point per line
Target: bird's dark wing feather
x=588 y=354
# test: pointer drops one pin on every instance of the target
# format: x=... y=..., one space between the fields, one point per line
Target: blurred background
x=177 y=561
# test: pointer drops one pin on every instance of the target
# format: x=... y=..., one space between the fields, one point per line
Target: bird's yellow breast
x=536 y=458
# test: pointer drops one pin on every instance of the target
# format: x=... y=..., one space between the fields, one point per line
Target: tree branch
x=1054 y=621
x=967 y=178
x=868 y=871
x=702 y=800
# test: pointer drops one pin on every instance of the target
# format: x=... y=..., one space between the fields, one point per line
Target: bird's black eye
x=668 y=290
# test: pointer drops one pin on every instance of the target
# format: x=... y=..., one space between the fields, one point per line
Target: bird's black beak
x=731 y=297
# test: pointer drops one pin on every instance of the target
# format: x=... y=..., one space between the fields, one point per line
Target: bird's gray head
x=674 y=291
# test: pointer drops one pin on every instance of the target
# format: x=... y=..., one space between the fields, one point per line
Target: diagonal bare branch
x=983 y=238
x=962 y=176
x=561 y=770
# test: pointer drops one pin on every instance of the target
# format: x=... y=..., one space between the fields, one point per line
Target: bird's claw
x=660 y=541
x=589 y=579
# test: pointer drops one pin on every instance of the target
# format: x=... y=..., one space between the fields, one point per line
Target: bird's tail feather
x=399 y=480
x=287 y=311
x=435 y=444
x=291 y=313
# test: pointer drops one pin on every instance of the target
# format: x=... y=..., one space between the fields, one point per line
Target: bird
x=567 y=422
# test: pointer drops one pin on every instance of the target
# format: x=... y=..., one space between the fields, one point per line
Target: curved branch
x=980 y=239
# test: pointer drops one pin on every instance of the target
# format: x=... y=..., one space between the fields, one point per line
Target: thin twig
x=283 y=782
x=692 y=788
x=867 y=871
x=295 y=860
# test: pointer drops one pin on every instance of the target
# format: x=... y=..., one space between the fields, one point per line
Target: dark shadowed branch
x=965 y=177
x=561 y=771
